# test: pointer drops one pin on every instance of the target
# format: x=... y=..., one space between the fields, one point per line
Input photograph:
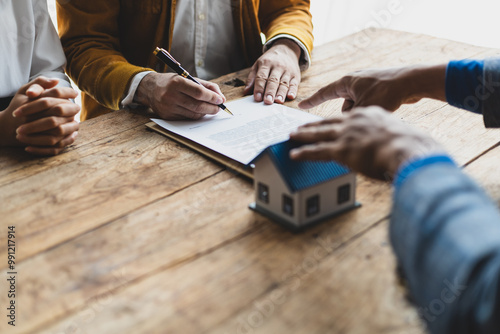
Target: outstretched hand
x=368 y=140
x=386 y=88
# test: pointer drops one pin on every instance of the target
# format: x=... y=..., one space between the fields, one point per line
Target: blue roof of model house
x=300 y=175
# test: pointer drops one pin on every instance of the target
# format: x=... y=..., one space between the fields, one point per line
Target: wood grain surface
x=130 y=232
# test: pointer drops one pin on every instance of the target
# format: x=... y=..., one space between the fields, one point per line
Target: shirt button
x=200 y=63
x=201 y=17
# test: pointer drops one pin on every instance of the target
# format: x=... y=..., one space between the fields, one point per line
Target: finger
x=199 y=92
x=213 y=87
x=40 y=125
x=34 y=91
x=272 y=86
x=43 y=151
x=260 y=82
x=250 y=81
x=317 y=134
x=322 y=151
x=39 y=140
x=57 y=126
x=43 y=82
x=283 y=88
x=60 y=92
x=53 y=150
x=39 y=105
x=332 y=91
x=60 y=110
x=348 y=105
x=69 y=139
x=65 y=129
x=196 y=106
x=294 y=88
x=181 y=113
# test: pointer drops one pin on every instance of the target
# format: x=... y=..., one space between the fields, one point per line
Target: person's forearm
x=3 y=129
x=144 y=89
x=425 y=81
x=294 y=48
x=89 y=34
x=287 y=17
x=446 y=234
x=7 y=129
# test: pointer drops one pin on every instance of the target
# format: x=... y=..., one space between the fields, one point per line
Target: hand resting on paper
x=275 y=76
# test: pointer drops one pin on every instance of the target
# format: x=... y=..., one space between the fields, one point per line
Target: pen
x=167 y=58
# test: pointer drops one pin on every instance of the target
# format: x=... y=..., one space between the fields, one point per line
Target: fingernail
x=279 y=98
x=219 y=100
x=292 y=95
x=258 y=97
x=269 y=98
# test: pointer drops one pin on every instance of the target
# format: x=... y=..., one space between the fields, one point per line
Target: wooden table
x=129 y=232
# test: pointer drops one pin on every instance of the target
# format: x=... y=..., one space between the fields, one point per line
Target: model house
x=300 y=193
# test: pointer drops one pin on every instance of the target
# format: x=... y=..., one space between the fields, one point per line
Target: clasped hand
x=41 y=118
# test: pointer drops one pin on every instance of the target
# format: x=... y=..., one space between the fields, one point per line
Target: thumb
x=250 y=82
x=36 y=87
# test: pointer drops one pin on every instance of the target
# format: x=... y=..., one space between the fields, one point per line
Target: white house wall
x=266 y=173
x=328 y=197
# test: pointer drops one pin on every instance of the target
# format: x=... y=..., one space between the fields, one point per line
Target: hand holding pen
x=172 y=97
x=167 y=58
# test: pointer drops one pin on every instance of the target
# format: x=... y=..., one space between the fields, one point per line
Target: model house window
x=288 y=205
x=263 y=192
x=344 y=194
x=312 y=206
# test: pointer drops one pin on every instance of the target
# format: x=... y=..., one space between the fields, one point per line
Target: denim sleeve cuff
x=464 y=84
x=408 y=168
x=491 y=112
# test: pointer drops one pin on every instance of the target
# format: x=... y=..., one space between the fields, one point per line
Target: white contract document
x=243 y=136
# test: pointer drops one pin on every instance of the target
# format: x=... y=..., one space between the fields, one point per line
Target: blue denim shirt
x=445 y=230
x=475 y=85
x=446 y=234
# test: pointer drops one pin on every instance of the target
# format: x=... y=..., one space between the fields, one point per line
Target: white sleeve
x=128 y=101
x=48 y=56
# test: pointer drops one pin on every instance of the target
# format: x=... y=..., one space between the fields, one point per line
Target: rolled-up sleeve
x=491 y=106
x=474 y=85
